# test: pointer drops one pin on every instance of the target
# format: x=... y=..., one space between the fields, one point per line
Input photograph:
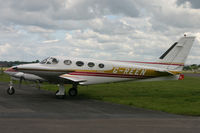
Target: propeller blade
x=20 y=81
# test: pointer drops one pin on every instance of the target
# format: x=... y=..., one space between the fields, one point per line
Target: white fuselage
x=92 y=71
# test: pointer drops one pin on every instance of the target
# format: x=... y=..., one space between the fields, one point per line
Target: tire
x=73 y=92
x=11 y=90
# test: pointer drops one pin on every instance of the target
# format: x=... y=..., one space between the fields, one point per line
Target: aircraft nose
x=11 y=69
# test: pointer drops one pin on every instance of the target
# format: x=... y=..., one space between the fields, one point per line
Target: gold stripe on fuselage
x=133 y=71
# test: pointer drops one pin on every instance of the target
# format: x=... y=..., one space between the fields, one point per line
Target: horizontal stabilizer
x=164 y=71
x=72 y=78
x=167 y=72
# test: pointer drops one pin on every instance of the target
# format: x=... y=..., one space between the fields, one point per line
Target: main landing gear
x=60 y=94
x=73 y=92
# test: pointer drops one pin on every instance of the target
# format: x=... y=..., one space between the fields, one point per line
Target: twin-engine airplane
x=80 y=71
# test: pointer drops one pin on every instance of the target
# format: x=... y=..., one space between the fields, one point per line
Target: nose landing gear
x=11 y=89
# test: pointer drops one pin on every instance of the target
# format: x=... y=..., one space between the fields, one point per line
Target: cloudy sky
x=101 y=29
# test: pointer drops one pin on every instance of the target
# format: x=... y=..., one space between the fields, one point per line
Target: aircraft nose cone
x=11 y=69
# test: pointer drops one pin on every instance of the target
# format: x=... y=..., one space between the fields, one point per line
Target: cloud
x=50 y=41
x=36 y=29
x=192 y=3
x=4 y=48
x=56 y=14
x=102 y=29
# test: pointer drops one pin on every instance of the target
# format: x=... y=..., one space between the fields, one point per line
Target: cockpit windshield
x=44 y=61
x=49 y=60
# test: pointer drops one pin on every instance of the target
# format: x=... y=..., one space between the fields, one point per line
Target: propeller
x=20 y=82
x=27 y=77
x=20 y=75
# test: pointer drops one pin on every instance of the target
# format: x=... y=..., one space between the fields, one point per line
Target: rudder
x=177 y=53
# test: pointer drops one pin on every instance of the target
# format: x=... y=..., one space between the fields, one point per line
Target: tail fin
x=177 y=54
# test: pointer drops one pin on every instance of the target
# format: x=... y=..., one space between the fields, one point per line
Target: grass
x=177 y=97
x=4 y=77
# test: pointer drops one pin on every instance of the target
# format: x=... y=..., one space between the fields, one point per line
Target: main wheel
x=11 y=90
x=73 y=92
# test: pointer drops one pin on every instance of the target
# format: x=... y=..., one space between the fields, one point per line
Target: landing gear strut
x=11 y=89
x=60 y=94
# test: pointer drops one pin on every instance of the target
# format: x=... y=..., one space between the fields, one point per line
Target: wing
x=73 y=78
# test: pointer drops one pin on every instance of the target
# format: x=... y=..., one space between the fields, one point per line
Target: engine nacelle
x=26 y=76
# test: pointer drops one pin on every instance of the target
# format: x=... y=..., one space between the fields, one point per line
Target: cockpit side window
x=44 y=61
x=49 y=60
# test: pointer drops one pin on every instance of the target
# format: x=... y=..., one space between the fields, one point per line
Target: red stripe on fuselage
x=159 y=63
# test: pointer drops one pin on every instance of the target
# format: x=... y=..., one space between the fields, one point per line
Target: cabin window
x=67 y=62
x=91 y=64
x=101 y=65
x=79 y=63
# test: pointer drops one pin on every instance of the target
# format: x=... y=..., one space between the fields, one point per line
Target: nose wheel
x=11 y=90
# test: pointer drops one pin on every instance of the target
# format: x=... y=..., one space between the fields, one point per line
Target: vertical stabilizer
x=177 y=54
